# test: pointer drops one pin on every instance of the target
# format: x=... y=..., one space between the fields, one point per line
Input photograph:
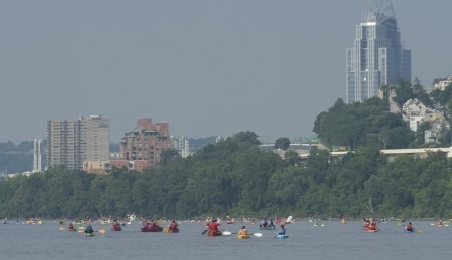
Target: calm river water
x=333 y=241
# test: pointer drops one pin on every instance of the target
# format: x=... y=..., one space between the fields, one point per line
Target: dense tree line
x=236 y=178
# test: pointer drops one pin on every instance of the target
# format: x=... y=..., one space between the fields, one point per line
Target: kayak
x=71 y=229
x=89 y=234
x=242 y=236
x=267 y=228
x=439 y=225
x=281 y=236
x=167 y=230
x=118 y=228
x=151 y=229
x=410 y=231
x=371 y=230
x=214 y=234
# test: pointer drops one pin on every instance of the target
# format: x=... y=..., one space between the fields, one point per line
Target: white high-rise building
x=37 y=156
x=377 y=57
x=71 y=143
x=183 y=147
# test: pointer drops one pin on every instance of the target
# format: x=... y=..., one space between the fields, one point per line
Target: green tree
x=282 y=143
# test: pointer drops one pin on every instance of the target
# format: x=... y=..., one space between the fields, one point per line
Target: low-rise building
x=443 y=84
x=415 y=112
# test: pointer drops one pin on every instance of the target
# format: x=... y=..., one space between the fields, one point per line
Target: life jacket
x=213 y=226
x=89 y=229
x=173 y=226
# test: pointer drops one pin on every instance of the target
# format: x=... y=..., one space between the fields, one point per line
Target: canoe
x=267 y=228
x=242 y=236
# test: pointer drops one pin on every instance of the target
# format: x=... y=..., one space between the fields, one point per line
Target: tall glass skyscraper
x=377 y=57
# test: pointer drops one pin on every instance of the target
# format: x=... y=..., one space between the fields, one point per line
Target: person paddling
x=115 y=226
x=264 y=223
x=282 y=231
x=89 y=230
x=213 y=227
x=409 y=227
x=70 y=227
x=173 y=226
x=243 y=231
x=271 y=223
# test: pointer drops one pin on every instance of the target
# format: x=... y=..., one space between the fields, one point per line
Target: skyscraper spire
x=377 y=11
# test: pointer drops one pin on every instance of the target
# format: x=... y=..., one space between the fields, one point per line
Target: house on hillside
x=415 y=112
x=443 y=84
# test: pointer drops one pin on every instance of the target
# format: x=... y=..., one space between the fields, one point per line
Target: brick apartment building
x=144 y=143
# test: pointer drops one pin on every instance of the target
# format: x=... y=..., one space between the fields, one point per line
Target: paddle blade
x=226 y=233
x=419 y=231
x=62 y=228
x=289 y=218
x=205 y=231
x=257 y=234
x=102 y=231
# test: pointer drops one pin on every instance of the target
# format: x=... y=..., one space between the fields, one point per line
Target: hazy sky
x=206 y=67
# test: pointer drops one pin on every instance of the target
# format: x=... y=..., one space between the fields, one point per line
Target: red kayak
x=151 y=229
x=214 y=234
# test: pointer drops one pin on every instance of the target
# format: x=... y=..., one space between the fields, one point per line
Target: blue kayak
x=410 y=231
x=281 y=236
x=267 y=228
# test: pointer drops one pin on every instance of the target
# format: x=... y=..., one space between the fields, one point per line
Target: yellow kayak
x=242 y=236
